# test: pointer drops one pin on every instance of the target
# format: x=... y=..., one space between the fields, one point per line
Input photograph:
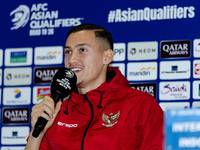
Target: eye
x=67 y=52
x=82 y=50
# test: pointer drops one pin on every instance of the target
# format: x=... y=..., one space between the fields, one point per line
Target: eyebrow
x=78 y=45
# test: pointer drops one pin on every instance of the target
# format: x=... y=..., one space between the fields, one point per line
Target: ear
x=108 y=56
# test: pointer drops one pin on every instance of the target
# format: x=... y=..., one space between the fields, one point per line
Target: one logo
x=67 y=125
x=16 y=96
x=143 y=50
x=110 y=120
x=44 y=75
x=172 y=49
x=174 y=68
x=174 y=90
x=149 y=88
x=197 y=69
x=69 y=74
x=17 y=57
x=149 y=68
x=48 y=55
x=14 y=133
x=142 y=71
x=21 y=16
x=17 y=93
x=18 y=76
x=16 y=115
x=119 y=51
x=8 y=76
x=133 y=51
x=42 y=92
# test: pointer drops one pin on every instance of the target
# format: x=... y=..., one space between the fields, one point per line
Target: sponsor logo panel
x=18 y=56
x=175 y=69
x=17 y=76
x=175 y=49
x=142 y=50
x=48 y=55
x=149 y=88
x=174 y=90
x=0 y=77
x=14 y=135
x=12 y=147
x=1 y=57
x=196 y=68
x=196 y=48
x=196 y=90
x=16 y=115
x=174 y=105
x=119 y=51
x=120 y=66
x=39 y=92
x=17 y=96
x=44 y=75
x=142 y=71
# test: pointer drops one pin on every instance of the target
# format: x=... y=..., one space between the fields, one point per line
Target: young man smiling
x=104 y=112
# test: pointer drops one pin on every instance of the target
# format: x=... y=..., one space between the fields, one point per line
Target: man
x=104 y=112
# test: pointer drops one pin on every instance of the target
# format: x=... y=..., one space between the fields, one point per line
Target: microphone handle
x=41 y=122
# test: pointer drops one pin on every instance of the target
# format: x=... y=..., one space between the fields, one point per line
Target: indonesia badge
x=110 y=120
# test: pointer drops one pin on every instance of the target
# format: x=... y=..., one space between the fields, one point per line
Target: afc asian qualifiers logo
x=110 y=120
x=42 y=20
x=22 y=14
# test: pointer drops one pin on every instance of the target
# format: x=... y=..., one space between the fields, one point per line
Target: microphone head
x=63 y=82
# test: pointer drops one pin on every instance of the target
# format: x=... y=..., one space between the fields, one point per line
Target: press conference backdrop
x=156 y=47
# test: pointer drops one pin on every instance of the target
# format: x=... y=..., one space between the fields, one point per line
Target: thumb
x=58 y=106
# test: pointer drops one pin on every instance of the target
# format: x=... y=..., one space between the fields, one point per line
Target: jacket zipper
x=92 y=116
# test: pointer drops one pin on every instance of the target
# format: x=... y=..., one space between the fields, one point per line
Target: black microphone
x=62 y=84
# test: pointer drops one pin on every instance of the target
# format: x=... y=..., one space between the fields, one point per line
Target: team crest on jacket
x=110 y=120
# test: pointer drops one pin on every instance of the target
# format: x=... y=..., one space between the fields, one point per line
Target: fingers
x=44 y=109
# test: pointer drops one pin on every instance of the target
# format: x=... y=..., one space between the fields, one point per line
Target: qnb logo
x=21 y=16
x=67 y=125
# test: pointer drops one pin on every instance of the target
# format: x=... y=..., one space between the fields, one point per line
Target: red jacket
x=128 y=120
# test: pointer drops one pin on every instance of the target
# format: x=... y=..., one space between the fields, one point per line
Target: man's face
x=84 y=57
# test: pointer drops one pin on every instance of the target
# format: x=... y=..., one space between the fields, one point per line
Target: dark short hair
x=99 y=32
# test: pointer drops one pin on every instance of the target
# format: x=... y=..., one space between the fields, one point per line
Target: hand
x=46 y=110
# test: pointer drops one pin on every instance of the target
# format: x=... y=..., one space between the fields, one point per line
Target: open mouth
x=76 y=69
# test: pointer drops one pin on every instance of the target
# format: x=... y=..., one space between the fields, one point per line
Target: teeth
x=76 y=69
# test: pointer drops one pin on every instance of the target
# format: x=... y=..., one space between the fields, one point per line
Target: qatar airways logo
x=67 y=125
x=174 y=90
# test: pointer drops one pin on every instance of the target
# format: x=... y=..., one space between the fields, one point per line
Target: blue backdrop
x=157 y=48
